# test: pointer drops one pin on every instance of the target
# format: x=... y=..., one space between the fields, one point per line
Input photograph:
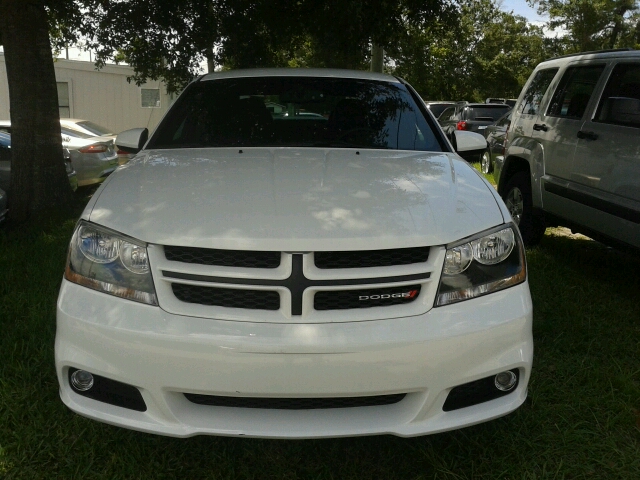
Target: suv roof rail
x=611 y=50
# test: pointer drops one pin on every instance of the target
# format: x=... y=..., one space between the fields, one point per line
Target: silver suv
x=572 y=155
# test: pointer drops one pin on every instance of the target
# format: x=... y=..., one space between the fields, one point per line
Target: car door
x=606 y=166
x=556 y=130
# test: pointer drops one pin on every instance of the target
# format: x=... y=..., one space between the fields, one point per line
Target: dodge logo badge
x=384 y=296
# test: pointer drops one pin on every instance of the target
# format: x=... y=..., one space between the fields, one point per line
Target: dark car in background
x=472 y=117
x=495 y=135
x=5 y=164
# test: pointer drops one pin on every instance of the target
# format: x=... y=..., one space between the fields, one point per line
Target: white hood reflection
x=296 y=199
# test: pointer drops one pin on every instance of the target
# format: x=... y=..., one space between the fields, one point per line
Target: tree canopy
x=484 y=52
x=594 y=24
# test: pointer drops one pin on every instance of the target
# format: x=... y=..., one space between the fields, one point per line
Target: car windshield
x=296 y=112
x=487 y=112
x=94 y=128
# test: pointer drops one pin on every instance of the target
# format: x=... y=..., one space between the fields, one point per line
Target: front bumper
x=167 y=355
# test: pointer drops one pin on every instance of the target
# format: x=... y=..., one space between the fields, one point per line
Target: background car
x=93 y=158
x=572 y=156
x=495 y=135
x=88 y=127
x=5 y=164
x=471 y=117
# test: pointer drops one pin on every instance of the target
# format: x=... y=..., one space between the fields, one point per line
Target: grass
x=581 y=419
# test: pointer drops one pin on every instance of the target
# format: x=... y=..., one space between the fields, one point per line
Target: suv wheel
x=520 y=205
x=485 y=162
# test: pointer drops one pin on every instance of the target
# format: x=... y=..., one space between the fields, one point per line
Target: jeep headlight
x=111 y=263
x=491 y=261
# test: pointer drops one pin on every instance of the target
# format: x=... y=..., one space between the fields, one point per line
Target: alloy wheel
x=515 y=204
x=486 y=162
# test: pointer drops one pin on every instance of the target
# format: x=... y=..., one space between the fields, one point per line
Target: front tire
x=486 y=166
x=520 y=204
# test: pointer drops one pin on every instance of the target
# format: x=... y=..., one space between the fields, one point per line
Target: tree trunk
x=377 y=58
x=38 y=178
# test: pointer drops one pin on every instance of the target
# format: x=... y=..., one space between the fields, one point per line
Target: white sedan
x=250 y=274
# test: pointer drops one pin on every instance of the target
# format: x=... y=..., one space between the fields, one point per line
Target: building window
x=150 y=97
x=64 y=107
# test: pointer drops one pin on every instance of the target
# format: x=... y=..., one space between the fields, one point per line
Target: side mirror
x=132 y=141
x=469 y=145
x=469 y=141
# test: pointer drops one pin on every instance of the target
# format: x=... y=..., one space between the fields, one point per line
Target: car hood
x=295 y=199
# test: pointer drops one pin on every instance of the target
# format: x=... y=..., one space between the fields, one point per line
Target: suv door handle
x=538 y=127
x=587 y=135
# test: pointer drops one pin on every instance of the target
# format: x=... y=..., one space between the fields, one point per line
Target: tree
x=38 y=177
x=167 y=39
x=594 y=24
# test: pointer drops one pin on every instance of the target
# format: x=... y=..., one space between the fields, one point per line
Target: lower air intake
x=473 y=393
x=294 y=403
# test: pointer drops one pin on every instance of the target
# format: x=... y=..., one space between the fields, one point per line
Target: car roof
x=300 y=72
x=596 y=55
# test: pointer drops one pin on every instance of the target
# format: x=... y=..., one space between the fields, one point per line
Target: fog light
x=505 y=381
x=81 y=380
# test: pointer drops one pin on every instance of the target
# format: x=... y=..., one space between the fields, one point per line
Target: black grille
x=227 y=297
x=473 y=393
x=223 y=258
x=371 y=258
x=372 y=297
x=294 y=403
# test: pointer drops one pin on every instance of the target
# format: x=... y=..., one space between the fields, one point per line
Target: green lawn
x=581 y=419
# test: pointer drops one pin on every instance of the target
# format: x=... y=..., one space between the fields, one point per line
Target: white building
x=103 y=96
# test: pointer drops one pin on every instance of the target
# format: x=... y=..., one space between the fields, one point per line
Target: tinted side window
x=620 y=102
x=533 y=96
x=574 y=91
x=447 y=114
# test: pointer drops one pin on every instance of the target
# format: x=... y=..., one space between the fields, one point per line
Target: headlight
x=111 y=263
x=489 y=262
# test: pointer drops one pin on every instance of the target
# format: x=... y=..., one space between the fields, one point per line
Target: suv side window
x=533 y=96
x=620 y=102
x=574 y=91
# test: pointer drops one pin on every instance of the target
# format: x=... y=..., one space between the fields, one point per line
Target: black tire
x=486 y=165
x=518 y=199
